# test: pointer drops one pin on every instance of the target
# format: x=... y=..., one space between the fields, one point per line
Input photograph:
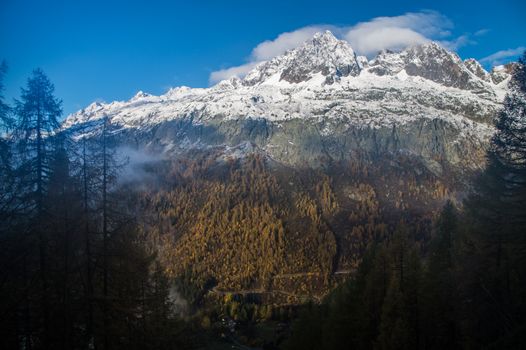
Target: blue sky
x=108 y=50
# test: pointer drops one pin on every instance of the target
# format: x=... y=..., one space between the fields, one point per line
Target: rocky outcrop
x=476 y=68
x=502 y=72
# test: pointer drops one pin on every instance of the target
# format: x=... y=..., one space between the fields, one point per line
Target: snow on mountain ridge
x=323 y=78
x=432 y=62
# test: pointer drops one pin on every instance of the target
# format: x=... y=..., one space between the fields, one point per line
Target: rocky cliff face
x=474 y=67
x=320 y=102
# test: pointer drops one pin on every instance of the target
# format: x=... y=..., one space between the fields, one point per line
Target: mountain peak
x=433 y=62
x=322 y=54
x=476 y=68
x=431 y=45
x=324 y=37
x=139 y=95
x=432 y=50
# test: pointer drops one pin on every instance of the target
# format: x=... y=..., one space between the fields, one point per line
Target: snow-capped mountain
x=323 y=54
x=321 y=100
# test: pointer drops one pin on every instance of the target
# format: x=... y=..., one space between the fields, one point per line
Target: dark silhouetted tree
x=497 y=210
x=38 y=111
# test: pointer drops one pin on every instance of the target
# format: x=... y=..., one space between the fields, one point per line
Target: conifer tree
x=498 y=211
x=6 y=174
x=38 y=111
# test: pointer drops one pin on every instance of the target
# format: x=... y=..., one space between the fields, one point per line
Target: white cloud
x=398 y=32
x=366 y=38
x=371 y=42
x=238 y=71
x=502 y=56
x=285 y=41
x=266 y=50
x=482 y=31
x=454 y=44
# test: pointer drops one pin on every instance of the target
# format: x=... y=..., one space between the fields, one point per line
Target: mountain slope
x=322 y=101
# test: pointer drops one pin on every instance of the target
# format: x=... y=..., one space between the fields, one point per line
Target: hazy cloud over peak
x=237 y=71
x=285 y=41
x=397 y=32
x=502 y=56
